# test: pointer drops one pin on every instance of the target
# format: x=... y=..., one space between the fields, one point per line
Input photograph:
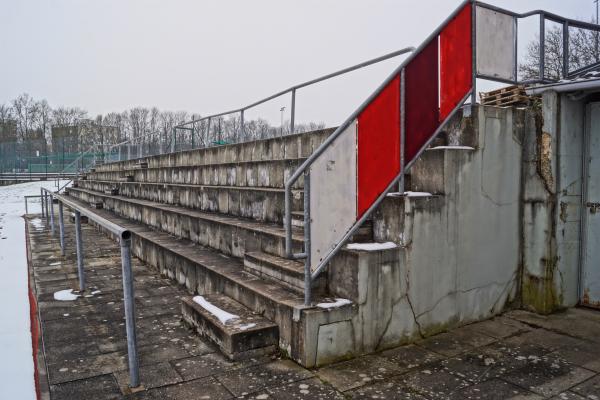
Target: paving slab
x=519 y=355
x=263 y=376
x=358 y=372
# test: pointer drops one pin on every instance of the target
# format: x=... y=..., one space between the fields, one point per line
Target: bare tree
x=583 y=52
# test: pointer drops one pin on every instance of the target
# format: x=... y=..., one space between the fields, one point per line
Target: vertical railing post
x=79 y=246
x=293 y=112
x=242 y=124
x=401 y=188
x=61 y=227
x=192 y=136
x=26 y=206
x=46 y=205
x=565 y=50
x=173 y=139
x=128 y=297
x=287 y=221
x=542 y=64
x=52 y=214
x=42 y=202
x=307 y=260
x=473 y=56
x=208 y=132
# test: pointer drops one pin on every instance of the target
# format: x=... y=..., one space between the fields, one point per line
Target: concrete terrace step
x=264 y=173
x=205 y=271
x=299 y=145
x=240 y=335
x=229 y=234
x=440 y=159
x=288 y=272
x=259 y=203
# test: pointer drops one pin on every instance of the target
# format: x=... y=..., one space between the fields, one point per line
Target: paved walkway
x=519 y=355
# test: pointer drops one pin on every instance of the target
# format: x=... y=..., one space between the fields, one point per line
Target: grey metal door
x=591 y=210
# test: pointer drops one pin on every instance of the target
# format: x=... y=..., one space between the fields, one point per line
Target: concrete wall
x=459 y=251
x=552 y=205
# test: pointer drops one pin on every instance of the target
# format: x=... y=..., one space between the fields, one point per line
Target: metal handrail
x=124 y=236
x=293 y=90
x=317 y=153
x=544 y=15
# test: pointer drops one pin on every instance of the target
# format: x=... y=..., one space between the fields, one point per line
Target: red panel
x=421 y=104
x=378 y=145
x=456 y=61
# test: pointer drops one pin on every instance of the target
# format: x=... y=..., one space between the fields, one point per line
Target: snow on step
x=334 y=304
x=221 y=315
x=65 y=295
x=410 y=194
x=452 y=148
x=371 y=246
x=235 y=329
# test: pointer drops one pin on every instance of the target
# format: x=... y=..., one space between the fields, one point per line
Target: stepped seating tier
x=205 y=271
x=259 y=203
x=267 y=173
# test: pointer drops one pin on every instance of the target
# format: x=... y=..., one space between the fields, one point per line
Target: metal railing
x=124 y=236
x=567 y=24
x=134 y=148
x=303 y=170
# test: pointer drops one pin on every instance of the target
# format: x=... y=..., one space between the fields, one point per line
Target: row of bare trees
x=34 y=119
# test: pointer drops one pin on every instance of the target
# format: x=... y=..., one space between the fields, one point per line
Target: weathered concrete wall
x=459 y=255
x=552 y=204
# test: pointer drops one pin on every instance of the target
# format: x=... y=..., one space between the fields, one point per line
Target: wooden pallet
x=508 y=96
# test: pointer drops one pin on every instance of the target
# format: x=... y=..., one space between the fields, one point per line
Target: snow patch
x=222 y=315
x=37 y=224
x=452 y=148
x=245 y=327
x=372 y=246
x=65 y=295
x=410 y=194
x=336 y=304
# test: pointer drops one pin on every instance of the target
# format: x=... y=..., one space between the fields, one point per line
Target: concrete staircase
x=211 y=219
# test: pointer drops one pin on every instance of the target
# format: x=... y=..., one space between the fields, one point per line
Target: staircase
x=212 y=220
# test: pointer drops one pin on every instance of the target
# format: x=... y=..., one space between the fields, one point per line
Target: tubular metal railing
x=124 y=236
x=566 y=23
x=304 y=169
x=190 y=125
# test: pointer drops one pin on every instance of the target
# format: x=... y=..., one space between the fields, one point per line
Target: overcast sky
x=209 y=56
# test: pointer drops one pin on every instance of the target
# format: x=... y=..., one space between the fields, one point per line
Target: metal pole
x=565 y=49
x=61 y=226
x=52 y=214
x=293 y=112
x=403 y=126
x=542 y=46
x=208 y=132
x=47 y=206
x=473 y=58
x=128 y=297
x=307 y=260
x=173 y=138
x=79 y=245
x=42 y=202
x=26 y=206
x=242 y=124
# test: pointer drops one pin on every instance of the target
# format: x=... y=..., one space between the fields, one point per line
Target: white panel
x=495 y=44
x=333 y=194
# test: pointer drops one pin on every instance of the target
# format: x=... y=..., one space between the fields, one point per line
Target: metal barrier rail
x=124 y=236
x=292 y=90
x=544 y=16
